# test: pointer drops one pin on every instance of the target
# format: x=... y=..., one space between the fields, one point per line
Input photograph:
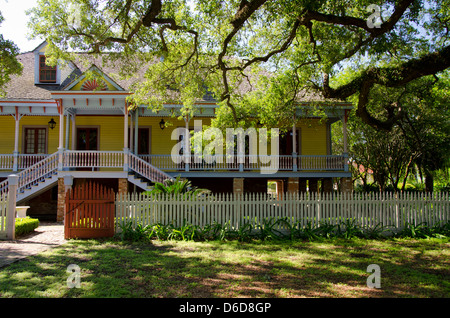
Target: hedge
x=25 y=225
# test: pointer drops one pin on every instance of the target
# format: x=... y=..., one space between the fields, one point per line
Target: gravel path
x=47 y=235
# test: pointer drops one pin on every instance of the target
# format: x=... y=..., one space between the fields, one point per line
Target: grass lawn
x=328 y=268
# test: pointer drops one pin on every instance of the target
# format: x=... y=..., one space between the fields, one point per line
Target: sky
x=14 y=25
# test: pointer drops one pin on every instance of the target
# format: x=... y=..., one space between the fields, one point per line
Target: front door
x=87 y=138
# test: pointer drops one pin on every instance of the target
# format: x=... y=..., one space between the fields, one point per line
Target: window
x=35 y=140
x=47 y=74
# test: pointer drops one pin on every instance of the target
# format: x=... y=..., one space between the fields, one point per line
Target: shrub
x=25 y=225
x=267 y=230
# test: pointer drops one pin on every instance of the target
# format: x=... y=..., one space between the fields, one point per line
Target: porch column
x=131 y=137
x=74 y=132
x=187 y=144
x=125 y=139
x=17 y=118
x=61 y=134
x=136 y=129
x=67 y=131
x=294 y=146
x=344 y=133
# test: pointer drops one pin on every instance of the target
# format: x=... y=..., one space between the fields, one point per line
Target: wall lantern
x=162 y=124
x=51 y=124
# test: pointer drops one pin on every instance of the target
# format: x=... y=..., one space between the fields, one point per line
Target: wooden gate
x=89 y=212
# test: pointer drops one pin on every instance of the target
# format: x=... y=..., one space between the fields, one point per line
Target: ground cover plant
x=323 y=267
x=277 y=229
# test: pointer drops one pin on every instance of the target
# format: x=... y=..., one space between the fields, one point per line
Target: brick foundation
x=293 y=185
x=122 y=186
x=346 y=185
x=238 y=185
x=61 y=200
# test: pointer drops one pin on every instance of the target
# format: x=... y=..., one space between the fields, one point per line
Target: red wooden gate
x=89 y=212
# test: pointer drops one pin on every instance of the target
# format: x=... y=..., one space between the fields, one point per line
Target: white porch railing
x=23 y=160
x=249 y=162
x=93 y=159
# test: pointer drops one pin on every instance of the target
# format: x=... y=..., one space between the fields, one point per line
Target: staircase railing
x=145 y=169
x=34 y=173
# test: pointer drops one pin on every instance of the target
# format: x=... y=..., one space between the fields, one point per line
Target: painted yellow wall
x=7 y=131
x=313 y=137
x=313 y=133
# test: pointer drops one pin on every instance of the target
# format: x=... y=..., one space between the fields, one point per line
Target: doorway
x=87 y=138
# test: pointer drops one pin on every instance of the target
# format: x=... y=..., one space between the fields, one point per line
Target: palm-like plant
x=177 y=186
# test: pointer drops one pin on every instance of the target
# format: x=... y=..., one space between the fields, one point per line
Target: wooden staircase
x=44 y=174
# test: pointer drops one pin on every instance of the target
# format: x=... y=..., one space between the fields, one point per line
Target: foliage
x=257 y=57
x=25 y=225
x=8 y=62
x=268 y=230
x=418 y=142
x=177 y=186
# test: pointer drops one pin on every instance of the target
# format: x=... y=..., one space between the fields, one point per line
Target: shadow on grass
x=169 y=269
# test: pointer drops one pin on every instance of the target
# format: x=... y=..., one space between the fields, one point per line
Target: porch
x=106 y=160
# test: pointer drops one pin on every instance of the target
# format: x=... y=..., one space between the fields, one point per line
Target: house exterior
x=60 y=128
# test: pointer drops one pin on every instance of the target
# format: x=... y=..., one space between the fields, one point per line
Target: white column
x=125 y=139
x=61 y=135
x=187 y=148
x=67 y=131
x=131 y=141
x=74 y=132
x=16 y=141
x=344 y=132
x=136 y=130
x=294 y=145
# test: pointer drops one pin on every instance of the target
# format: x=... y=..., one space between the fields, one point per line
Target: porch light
x=162 y=124
x=51 y=124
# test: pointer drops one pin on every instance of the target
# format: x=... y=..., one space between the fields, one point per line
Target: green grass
x=278 y=269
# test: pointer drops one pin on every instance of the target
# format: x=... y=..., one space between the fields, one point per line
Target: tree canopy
x=258 y=56
x=8 y=62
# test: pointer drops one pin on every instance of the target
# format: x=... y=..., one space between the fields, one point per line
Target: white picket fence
x=366 y=209
x=3 y=212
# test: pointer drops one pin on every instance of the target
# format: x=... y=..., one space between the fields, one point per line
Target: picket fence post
x=13 y=182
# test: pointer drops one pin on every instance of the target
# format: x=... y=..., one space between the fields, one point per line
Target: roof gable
x=93 y=80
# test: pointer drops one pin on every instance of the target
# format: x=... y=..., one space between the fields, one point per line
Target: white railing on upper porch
x=93 y=159
x=23 y=160
x=249 y=162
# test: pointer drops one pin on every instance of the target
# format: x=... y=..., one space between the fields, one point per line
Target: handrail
x=249 y=162
x=33 y=173
x=146 y=170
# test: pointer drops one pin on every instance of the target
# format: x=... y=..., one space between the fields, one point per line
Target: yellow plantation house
x=59 y=128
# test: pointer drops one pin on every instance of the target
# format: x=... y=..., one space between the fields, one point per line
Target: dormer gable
x=93 y=80
x=43 y=73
